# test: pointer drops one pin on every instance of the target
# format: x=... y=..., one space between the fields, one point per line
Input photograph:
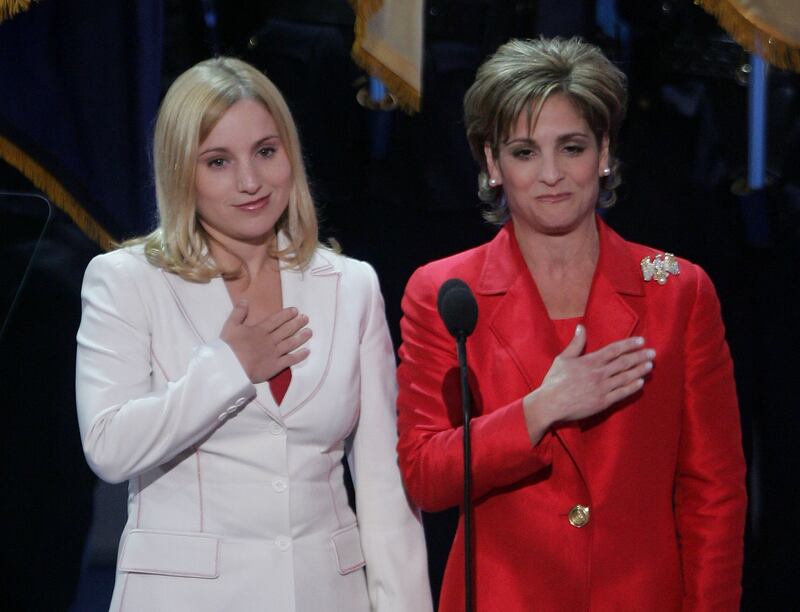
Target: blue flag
x=79 y=91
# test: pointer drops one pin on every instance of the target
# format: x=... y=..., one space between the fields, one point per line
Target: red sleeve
x=429 y=419
x=710 y=496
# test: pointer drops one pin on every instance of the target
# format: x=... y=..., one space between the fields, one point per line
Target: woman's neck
x=256 y=275
x=545 y=253
x=562 y=267
x=252 y=258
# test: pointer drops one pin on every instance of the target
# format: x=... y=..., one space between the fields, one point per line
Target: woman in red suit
x=607 y=464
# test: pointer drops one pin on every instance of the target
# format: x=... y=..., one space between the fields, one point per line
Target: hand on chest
x=512 y=349
x=323 y=396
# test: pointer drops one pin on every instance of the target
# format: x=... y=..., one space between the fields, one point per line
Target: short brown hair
x=518 y=78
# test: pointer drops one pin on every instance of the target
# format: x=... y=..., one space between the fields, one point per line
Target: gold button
x=579 y=516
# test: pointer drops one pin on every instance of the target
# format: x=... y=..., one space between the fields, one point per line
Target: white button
x=222 y=417
x=275 y=428
x=240 y=402
x=283 y=543
x=279 y=485
x=230 y=410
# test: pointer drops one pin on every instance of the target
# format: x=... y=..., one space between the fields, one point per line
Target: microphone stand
x=459 y=312
x=466 y=408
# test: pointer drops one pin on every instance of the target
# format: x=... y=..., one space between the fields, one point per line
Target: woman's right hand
x=265 y=348
x=579 y=386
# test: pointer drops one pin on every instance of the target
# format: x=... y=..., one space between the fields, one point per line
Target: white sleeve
x=391 y=531
x=126 y=426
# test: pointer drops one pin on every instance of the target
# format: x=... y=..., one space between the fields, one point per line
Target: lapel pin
x=660 y=268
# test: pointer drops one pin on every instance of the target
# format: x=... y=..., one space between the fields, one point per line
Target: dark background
x=413 y=199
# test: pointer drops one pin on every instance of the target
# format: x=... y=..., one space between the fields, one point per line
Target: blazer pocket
x=347 y=546
x=170 y=553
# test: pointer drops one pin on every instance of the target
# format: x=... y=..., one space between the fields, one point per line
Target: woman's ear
x=492 y=166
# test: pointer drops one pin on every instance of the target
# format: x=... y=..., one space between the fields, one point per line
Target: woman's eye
x=217 y=162
x=266 y=151
x=523 y=153
x=574 y=149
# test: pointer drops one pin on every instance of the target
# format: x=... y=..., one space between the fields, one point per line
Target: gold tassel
x=408 y=98
x=56 y=192
x=365 y=9
x=9 y=8
x=755 y=37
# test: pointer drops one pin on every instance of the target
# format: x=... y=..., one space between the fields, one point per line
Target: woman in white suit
x=200 y=382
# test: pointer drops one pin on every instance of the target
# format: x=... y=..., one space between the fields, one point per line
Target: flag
x=9 y=8
x=79 y=90
x=388 y=45
x=770 y=28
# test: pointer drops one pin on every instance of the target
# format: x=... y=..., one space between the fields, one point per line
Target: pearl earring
x=607 y=171
x=492 y=182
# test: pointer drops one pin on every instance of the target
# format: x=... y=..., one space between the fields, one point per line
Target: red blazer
x=662 y=472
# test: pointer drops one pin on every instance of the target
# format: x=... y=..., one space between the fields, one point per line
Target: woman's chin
x=560 y=227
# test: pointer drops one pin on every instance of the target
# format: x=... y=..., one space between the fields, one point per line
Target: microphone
x=459 y=312
x=457 y=307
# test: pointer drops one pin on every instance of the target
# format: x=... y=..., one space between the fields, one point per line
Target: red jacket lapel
x=608 y=316
x=523 y=328
x=519 y=321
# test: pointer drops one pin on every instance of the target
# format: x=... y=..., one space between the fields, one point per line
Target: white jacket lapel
x=313 y=292
x=205 y=306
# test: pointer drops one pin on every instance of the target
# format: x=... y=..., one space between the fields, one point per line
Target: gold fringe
x=364 y=9
x=408 y=98
x=56 y=192
x=757 y=38
x=9 y=8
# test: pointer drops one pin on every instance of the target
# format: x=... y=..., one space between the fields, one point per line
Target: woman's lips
x=253 y=204
x=553 y=198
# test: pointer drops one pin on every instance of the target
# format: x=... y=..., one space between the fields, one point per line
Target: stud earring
x=492 y=182
x=607 y=171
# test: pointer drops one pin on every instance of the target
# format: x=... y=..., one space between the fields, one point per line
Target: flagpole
x=757 y=123
x=753 y=194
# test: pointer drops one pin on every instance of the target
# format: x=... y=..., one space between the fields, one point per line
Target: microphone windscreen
x=457 y=307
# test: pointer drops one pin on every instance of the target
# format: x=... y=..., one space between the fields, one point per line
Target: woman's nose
x=247 y=179
x=550 y=170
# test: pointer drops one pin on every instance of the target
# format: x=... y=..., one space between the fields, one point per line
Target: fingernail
x=578 y=329
x=639 y=341
x=648 y=366
x=650 y=354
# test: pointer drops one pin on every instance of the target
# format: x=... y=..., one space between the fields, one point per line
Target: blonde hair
x=193 y=105
x=519 y=78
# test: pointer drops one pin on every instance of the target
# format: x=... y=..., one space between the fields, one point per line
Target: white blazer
x=236 y=503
